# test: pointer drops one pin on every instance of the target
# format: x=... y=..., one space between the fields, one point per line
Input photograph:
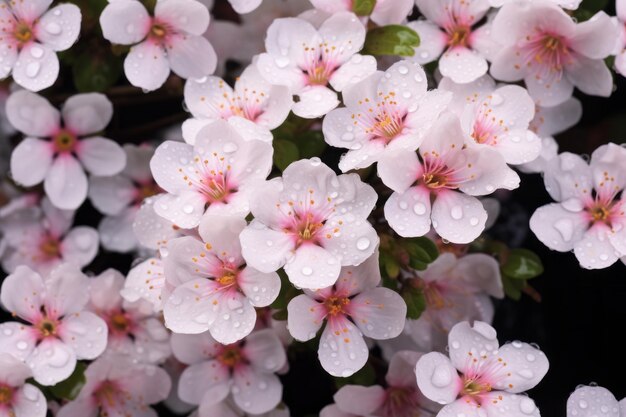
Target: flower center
x=47 y=327
x=106 y=395
x=474 y=387
x=50 y=248
x=120 y=323
x=227 y=279
x=64 y=141
x=230 y=356
x=434 y=298
x=336 y=305
x=435 y=180
x=6 y=395
x=388 y=126
x=459 y=36
x=319 y=74
x=158 y=31
x=23 y=33
x=599 y=213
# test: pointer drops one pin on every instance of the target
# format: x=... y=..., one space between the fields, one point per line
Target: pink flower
x=17 y=398
x=386 y=12
x=307 y=60
x=544 y=46
x=353 y=305
x=133 y=328
x=450 y=29
x=61 y=331
x=311 y=222
x=399 y=398
x=146 y=282
x=215 y=175
x=496 y=117
x=213 y=288
x=448 y=173
x=588 y=216
x=254 y=106
x=384 y=112
x=455 y=290
x=244 y=369
x=119 y=198
x=172 y=39
x=620 y=53
x=117 y=386
x=42 y=238
x=53 y=160
x=588 y=401
x=479 y=375
x=31 y=36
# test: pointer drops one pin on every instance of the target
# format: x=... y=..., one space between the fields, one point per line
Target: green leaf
x=363 y=7
x=96 y=73
x=310 y=143
x=415 y=302
x=366 y=376
x=391 y=40
x=285 y=152
x=69 y=388
x=522 y=264
x=513 y=287
x=422 y=251
x=389 y=265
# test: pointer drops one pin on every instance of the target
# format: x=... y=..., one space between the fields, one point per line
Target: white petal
x=66 y=183
x=125 y=22
x=594 y=250
x=558 y=228
x=111 y=195
x=462 y=65
x=32 y=114
x=52 y=361
x=30 y=161
x=379 y=313
x=87 y=113
x=185 y=15
x=101 y=156
x=432 y=41
x=80 y=245
x=590 y=76
x=315 y=101
x=437 y=378
x=356 y=69
x=525 y=367
x=458 y=217
x=313 y=267
x=86 y=333
x=260 y=288
x=192 y=57
x=37 y=67
x=257 y=392
x=342 y=350
x=305 y=317
x=265 y=249
x=146 y=66
x=17 y=339
x=590 y=401
x=59 y=27
x=408 y=213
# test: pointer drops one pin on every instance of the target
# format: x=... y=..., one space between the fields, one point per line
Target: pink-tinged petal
x=234 y=319
x=502 y=404
x=245 y=6
x=399 y=169
x=366 y=88
x=359 y=400
x=483 y=41
x=85 y=333
x=404 y=76
x=401 y=372
x=525 y=367
x=52 y=361
x=208 y=408
x=205 y=97
x=192 y=57
x=339 y=130
x=334 y=411
x=188 y=309
x=354 y=243
x=379 y=313
x=490 y=173
x=188 y=16
x=13 y=371
x=30 y=10
x=252 y=131
x=205 y=380
x=315 y=101
x=285 y=75
x=23 y=293
x=125 y=22
x=181 y=263
x=30 y=161
x=554 y=93
x=29 y=401
x=481 y=272
x=344 y=34
x=458 y=217
x=437 y=378
x=420 y=119
x=146 y=66
x=66 y=183
x=101 y=156
x=297 y=32
x=590 y=76
x=32 y=114
x=59 y=27
x=408 y=214
x=519 y=146
x=332 y=6
x=256 y=392
x=567 y=176
x=460 y=407
x=259 y=287
x=168 y=158
x=67 y=290
x=592 y=401
x=357 y=68
x=355 y=279
x=37 y=67
x=138 y=162
x=9 y=57
x=134 y=380
x=265 y=249
x=620 y=6
x=264 y=351
x=184 y=210
x=111 y=195
x=105 y=290
x=361 y=155
x=80 y=245
x=17 y=339
x=391 y=12
x=467 y=342
x=145 y=281
x=558 y=228
x=342 y=350
x=462 y=65
x=194 y=348
x=313 y=267
x=594 y=250
x=87 y=113
x=222 y=233
x=594 y=37
x=507 y=64
x=305 y=316
x=549 y=121
x=432 y=41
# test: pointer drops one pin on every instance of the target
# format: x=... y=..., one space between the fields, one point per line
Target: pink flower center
x=108 y=395
x=320 y=74
x=64 y=141
x=6 y=395
x=549 y=52
x=231 y=356
x=336 y=305
x=474 y=387
x=47 y=327
x=401 y=402
x=50 y=248
x=320 y=64
x=159 y=32
x=23 y=33
x=434 y=297
x=443 y=171
x=459 y=35
x=384 y=120
x=120 y=323
x=212 y=178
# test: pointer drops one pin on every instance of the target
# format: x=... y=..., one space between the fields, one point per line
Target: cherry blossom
x=60 y=330
x=549 y=121
x=146 y=281
x=354 y=306
x=542 y=45
x=479 y=375
x=400 y=396
x=133 y=328
x=254 y=106
x=588 y=401
x=117 y=386
x=42 y=238
x=215 y=175
x=18 y=398
x=456 y=289
x=620 y=52
x=31 y=37
x=307 y=60
x=385 y=12
x=56 y=139
x=449 y=172
x=311 y=222
x=451 y=30
x=244 y=370
x=170 y=40
x=119 y=197
x=588 y=216
x=153 y=231
x=214 y=289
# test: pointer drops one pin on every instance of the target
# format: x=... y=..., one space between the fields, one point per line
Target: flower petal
x=458 y=217
x=234 y=319
x=260 y=288
x=594 y=250
x=256 y=392
x=592 y=401
x=315 y=101
x=188 y=310
x=379 y=313
x=467 y=342
x=23 y=293
x=80 y=245
x=432 y=41
x=86 y=333
x=37 y=67
x=265 y=351
x=359 y=400
x=192 y=56
x=146 y=66
x=408 y=214
x=59 y=27
x=437 y=378
x=17 y=340
x=125 y=22
x=462 y=65
x=525 y=367
x=342 y=350
x=87 y=113
x=204 y=380
x=66 y=183
x=305 y=316
x=188 y=16
x=52 y=361
x=32 y=114
x=101 y=156
x=30 y=161
x=111 y=195
x=313 y=267
x=263 y=248
x=558 y=228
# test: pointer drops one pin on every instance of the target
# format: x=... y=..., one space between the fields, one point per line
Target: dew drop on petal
x=363 y=243
x=442 y=377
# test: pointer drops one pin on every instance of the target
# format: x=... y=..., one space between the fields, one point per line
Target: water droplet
x=403 y=70
x=32 y=69
x=229 y=147
x=496 y=99
x=583 y=404
x=347 y=137
x=363 y=243
x=455 y=344
x=419 y=209
x=307 y=271
x=474 y=221
x=36 y=52
x=456 y=212
x=188 y=209
x=527 y=405
x=526 y=373
x=442 y=377
x=7 y=332
x=53 y=28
